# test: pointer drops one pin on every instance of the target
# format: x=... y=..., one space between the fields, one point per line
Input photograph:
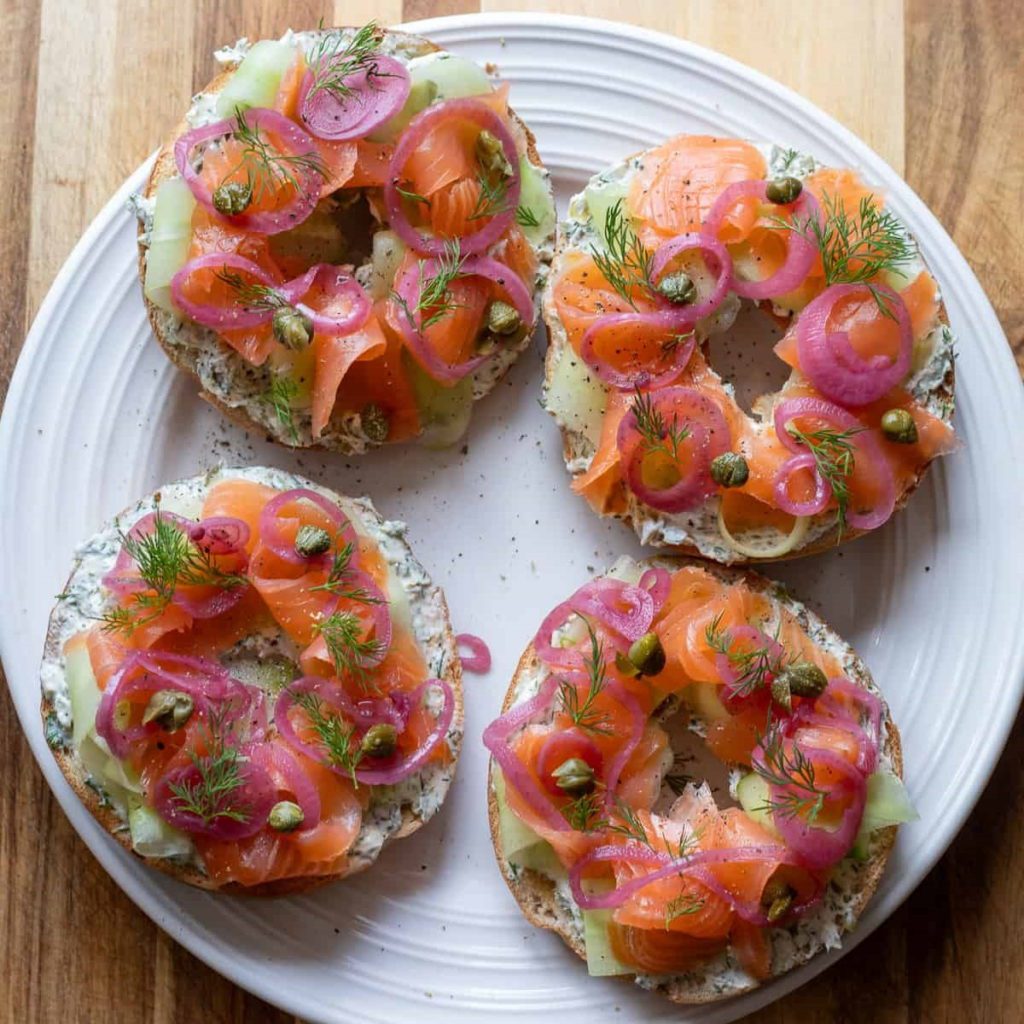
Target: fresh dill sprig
x=348 y=649
x=855 y=250
x=334 y=734
x=793 y=772
x=209 y=797
x=251 y=294
x=753 y=667
x=685 y=904
x=584 y=813
x=656 y=433
x=834 y=460
x=278 y=397
x=266 y=169
x=435 y=295
x=330 y=63
x=583 y=713
x=526 y=218
x=339 y=578
x=413 y=197
x=626 y=263
x=492 y=198
x=165 y=558
x=631 y=826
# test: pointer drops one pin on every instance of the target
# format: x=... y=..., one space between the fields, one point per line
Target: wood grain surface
x=88 y=88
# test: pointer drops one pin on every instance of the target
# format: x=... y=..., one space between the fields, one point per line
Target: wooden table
x=89 y=88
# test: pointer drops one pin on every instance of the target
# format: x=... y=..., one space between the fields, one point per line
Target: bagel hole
x=693 y=760
x=743 y=356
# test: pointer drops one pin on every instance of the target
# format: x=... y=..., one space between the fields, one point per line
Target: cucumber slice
x=753 y=795
x=601 y=961
x=535 y=196
x=152 y=836
x=576 y=396
x=888 y=803
x=601 y=196
x=388 y=252
x=83 y=691
x=444 y=412
x=704 y=699
x=257 y=79
x=299 y=366
x=514 y=835
x=168 y=240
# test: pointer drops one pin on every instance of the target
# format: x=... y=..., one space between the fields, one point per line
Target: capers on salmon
x=574 y=777
x=804 y=679
x=232 y=198
x=170 y=709
x=730 y=469
x=777 y=899
x=502 y=318
x=783 y=191
x=899 y=427
x=490 y=154
x=311 y=541
x=292 y=327
x=380 y=740
x=285 y=816
x=375 y=423
x=678 y=288
x=647 y=655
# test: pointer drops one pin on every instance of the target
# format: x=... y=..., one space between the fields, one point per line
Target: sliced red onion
x=803 y=463
x=251 y=800
x=299 y=143
x=408 y=290
x=372 y=95
x=270 y=533
x=800 y=252
x=622 y=608
x=829 y=360
x=349 y=306
x=285 y=770
x=419 y=128
x=479 y=659
x=221 y=318
x=709 y=436
x=715 y=255
x=679 y=355
x=637 y=721
x=658 y=583
x=220 y=535
x=865 y=441
x=517 y=775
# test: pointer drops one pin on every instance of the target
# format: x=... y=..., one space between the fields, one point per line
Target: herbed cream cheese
x=929 y=380
x=84 y=601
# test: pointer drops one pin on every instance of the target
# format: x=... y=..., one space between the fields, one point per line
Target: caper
x=232 y=198
x=647 y=654
x=502 y=318
x=311 y=541
x=380 y=740
x=170 y=709
x=783 y=191
x=285 y=816
x=574 y=776
x=292 y=327
x=899 y=427
x=730 y=469
x=374 y=421
x=777 y=899
x=490 y=154
x=678 y=288
x=804 y=679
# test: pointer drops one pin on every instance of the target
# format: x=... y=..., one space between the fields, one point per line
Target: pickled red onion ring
x=300 y=144
x=622 y=608
x=637 y=721
x=419 y=128
x=657 y=582
x=829 y=360
x=804 y=462
x=222 y=318
x=800 y=251
x=338 y=286
x=720 y=263
x=220 y=535
x=279 y=762
x=270 y=533
x=708 y=437
x=407 y=289
x=624 y=381
x=865 y=441
x=372 y=95
x=479 y=660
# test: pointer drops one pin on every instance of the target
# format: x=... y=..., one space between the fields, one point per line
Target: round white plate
x=96 y=417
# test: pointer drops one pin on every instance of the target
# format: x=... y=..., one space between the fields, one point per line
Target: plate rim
x=205 y=946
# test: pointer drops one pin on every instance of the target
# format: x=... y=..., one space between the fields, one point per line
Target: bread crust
x=535 y=892
x=573 y=440
x=164 y=167
x=75 y=773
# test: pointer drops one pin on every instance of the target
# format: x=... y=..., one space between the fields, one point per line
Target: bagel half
x=698 y=531
x=393 y=812
x=236 y=387
x=547 y=903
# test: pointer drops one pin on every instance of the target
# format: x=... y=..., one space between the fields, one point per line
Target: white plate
x=96 y=417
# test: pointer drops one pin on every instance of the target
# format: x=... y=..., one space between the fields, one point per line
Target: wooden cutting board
x=89 y=89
